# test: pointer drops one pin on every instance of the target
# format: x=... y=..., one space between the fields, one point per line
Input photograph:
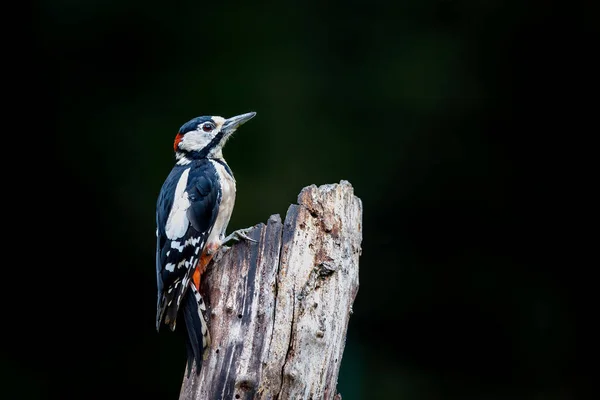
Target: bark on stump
x=279 y=308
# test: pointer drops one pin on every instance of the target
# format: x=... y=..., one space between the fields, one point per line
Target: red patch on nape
x=177 y=140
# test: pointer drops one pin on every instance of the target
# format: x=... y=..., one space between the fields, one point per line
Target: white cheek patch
x=196 y=140
x=178 y=223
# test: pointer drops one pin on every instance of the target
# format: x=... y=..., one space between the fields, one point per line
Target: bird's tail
x=198 y=337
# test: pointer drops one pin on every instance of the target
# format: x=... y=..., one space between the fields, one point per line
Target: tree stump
x=279 y=308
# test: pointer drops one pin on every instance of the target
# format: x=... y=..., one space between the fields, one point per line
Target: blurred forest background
x=440 y=113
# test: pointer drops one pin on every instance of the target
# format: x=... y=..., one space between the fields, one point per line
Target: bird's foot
x=238 y=236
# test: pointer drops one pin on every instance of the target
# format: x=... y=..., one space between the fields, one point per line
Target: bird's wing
x=177 y=257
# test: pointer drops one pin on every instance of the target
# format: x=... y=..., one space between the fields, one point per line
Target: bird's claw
x=238 y=236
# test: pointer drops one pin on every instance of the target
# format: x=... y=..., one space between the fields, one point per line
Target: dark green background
x=439 y=113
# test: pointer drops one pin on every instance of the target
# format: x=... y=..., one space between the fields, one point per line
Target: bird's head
x=204 y=137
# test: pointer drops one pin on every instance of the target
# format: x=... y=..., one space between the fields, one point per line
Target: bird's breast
x=227 y=183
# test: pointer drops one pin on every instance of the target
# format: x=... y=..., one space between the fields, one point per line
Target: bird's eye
x=207 y=127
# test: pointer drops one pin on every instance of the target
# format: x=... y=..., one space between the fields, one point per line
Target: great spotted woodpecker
x=192 y=213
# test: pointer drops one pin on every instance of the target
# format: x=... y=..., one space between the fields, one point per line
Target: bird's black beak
x=231 y=124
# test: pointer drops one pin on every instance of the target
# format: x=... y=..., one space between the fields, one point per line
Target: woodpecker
x=193 y=210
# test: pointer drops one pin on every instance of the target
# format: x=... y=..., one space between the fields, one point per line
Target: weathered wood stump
x=279 y=308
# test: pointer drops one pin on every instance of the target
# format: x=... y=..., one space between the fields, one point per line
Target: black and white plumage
x=193 y=210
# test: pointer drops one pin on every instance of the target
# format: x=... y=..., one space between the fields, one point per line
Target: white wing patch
x=178 y=223
x=193 y=241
